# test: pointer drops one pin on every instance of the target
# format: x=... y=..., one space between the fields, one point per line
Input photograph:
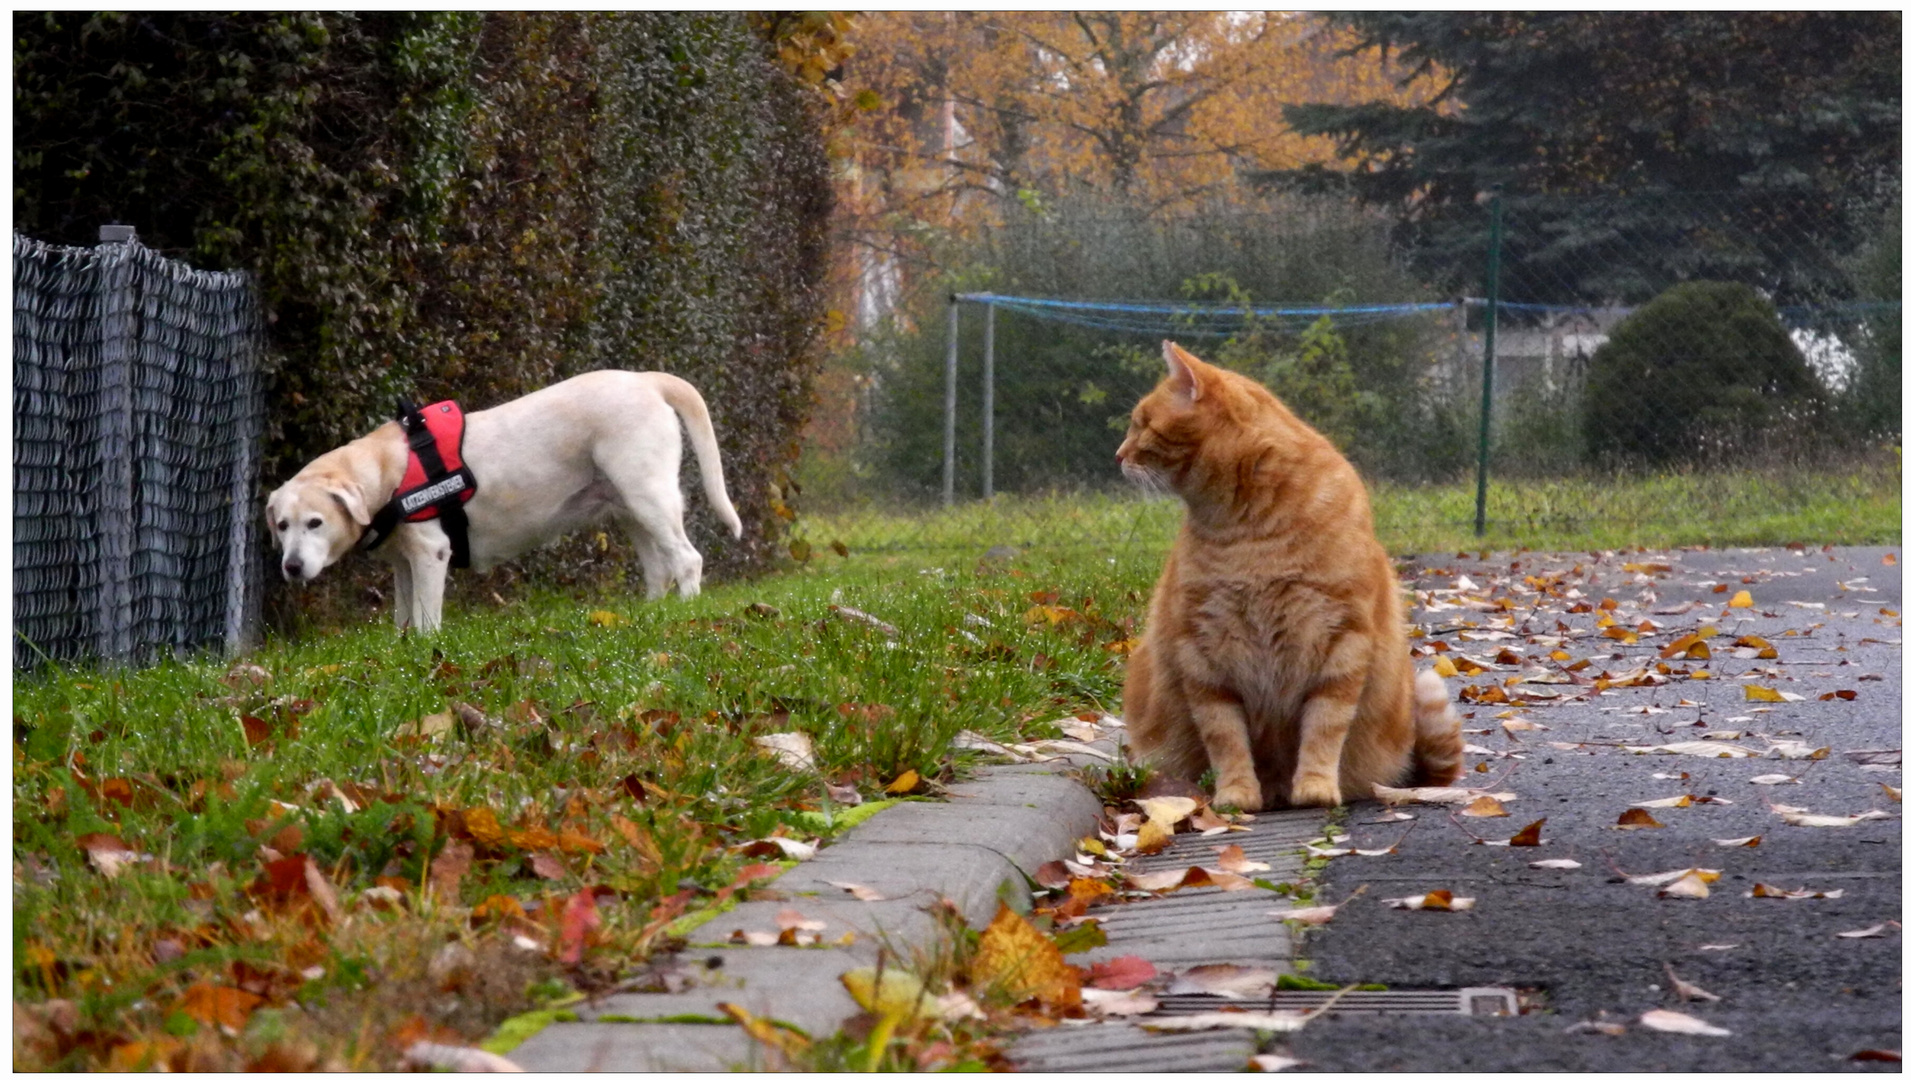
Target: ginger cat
x=1276 y=647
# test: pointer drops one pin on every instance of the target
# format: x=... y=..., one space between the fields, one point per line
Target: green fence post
x=949 y=413
x=1486 y=367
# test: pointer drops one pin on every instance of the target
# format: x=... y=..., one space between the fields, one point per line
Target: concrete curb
x=974 y=850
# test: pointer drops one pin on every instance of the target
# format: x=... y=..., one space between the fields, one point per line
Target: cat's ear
x=1183 y=370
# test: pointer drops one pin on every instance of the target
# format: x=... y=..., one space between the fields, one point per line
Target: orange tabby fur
x=1276 y=648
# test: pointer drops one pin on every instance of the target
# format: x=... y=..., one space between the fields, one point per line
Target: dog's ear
x=348 y=496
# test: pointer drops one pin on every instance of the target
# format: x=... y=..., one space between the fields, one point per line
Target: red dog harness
x=437 y=482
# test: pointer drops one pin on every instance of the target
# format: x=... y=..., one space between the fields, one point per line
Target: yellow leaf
x=1484 y=806
x=781 y=1039
x=601 y=617
x=900 y=994
x=1152 y=837
x=483 y=826
x=1444 y=668
x=1762 y=693
x=1019 y=960
x=904 y=784
x=1740 y=599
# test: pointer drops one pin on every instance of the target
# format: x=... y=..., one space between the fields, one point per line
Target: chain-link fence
x=1531 y=362
x=136 y=423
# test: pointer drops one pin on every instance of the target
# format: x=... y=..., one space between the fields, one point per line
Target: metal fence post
x=949 y=413
x=119 y=328
x=988 y=401
x=1486 y=367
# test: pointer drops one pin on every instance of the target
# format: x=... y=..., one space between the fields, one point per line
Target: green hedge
x=459 y=204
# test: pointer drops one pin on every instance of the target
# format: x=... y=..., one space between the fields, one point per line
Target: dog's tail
x=683 y=397
x=1437 y=746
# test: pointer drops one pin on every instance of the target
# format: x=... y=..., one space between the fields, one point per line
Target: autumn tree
x=965 y=108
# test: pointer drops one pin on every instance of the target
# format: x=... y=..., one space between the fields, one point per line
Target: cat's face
x=1166 y=427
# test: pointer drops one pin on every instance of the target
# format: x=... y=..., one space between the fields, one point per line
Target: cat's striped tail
x=1437 y=753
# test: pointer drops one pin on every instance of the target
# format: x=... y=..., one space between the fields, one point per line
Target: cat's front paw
x=1316 y=791
x=1241 y=795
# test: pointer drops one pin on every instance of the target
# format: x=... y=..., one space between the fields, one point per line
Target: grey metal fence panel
x=137 y=413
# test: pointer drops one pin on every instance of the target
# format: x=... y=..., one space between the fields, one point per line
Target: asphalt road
x=1588 y=944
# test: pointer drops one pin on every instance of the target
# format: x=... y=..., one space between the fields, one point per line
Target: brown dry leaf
x=1774 y=892
x=1101 y=1002
x=1674 y=802
x=791 y=919
x=1825 y=821
x=1209 y=823
x=1896 y=795
x=322 y=891
x=1636 y=818
x=546 y=866
x=1527 y=837
x=1690 y=885
x=425 y=1055
x=1121 y=973
x=224 y=1006
x=1881 y=930
x=1484 y=806
x=1518 y=724
x=1688 y=991
x=860 y=892
x=1394 y=796
x=1225 y=980
x=792 y=748
x=429 y=727
x=1014 y=956
x=1277 y=1021
x=1167 y=810
x=1235 y=861
x=107 y=853
x=1666 y=878
x=1694 y=748
x=1677 y=1023
x=1437 y=900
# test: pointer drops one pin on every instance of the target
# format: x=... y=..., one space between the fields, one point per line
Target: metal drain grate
x=1470 y=1001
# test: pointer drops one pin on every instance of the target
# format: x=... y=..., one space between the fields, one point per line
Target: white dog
x=602 y=446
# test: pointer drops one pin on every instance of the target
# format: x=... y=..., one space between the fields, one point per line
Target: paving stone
x=1113 y=1047
x=797 y=986
x=1027 y=835
x=611 y=1047
x=909 y=874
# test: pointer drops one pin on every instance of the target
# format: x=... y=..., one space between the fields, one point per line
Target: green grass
x=1858 y=505
x=211 y=772
x=203 y=771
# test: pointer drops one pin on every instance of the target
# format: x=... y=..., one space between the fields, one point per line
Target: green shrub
x=1702 y=372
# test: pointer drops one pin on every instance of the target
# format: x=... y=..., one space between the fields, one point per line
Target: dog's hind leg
x=653 y=515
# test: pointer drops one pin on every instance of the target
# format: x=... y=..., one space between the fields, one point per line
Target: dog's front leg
x=428 y=591
x=429 y=553
x=401 y=593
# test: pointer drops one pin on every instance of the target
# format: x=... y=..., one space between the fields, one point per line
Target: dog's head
x=315 y=521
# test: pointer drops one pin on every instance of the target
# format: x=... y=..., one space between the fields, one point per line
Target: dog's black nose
x=294 y=570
